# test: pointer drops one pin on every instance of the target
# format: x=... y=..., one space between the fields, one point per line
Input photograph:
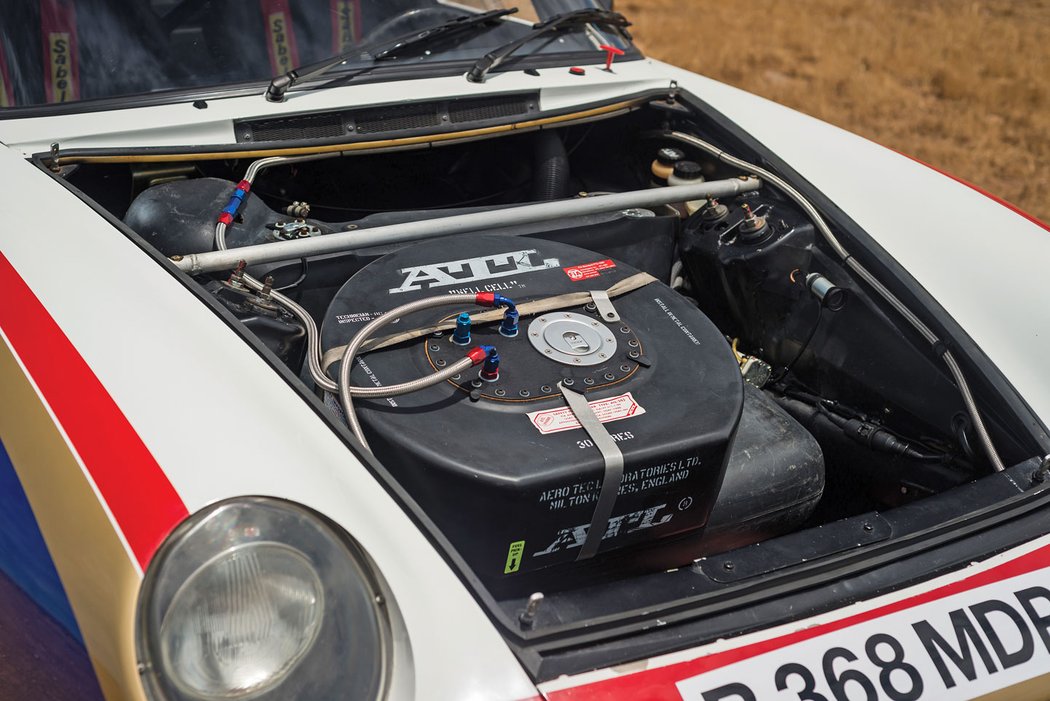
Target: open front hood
x=690 y=323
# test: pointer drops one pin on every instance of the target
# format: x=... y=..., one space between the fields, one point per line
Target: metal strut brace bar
x=459 y=224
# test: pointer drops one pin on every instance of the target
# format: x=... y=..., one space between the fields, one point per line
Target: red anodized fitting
x=477 y=355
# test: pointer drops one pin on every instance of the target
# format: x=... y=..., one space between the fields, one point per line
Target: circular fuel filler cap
x=573 y=339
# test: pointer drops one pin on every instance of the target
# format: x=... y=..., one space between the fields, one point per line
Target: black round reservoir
x=504 y=467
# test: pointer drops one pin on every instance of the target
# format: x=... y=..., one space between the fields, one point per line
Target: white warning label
x=607 y=410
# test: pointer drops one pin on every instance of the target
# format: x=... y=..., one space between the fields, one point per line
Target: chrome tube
x=458 y=224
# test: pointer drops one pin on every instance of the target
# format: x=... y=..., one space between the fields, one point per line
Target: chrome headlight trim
x=348 y=652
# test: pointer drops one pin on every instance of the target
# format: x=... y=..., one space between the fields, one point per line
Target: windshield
x=54 y=51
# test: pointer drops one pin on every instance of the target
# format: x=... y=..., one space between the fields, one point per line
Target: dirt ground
x=963 y=85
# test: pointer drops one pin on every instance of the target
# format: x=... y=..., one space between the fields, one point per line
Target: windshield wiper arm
x=565 y=20
x=382 y=49
x=427 y=36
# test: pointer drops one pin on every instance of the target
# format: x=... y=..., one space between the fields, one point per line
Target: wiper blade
x=382 y=49
x=565 y=20
x=428 y=36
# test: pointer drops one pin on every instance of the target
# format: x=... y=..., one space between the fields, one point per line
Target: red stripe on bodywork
x=659 y=684
x=138 y=493
x=995 y=198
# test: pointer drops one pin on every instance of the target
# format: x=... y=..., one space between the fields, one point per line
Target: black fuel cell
x=504 y=468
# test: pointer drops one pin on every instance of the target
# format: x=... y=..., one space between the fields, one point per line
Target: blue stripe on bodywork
x=40 y=642
x=24 y=557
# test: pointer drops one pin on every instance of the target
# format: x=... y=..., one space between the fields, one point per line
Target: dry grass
x=962 y=85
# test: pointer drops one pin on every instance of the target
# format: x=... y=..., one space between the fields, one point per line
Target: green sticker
x=514 y=556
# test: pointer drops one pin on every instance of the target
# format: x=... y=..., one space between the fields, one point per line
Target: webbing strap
x=612 y=476
x=536 y=306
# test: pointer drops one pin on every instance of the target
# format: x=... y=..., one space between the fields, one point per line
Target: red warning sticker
x=588 y=270
x=607 y=410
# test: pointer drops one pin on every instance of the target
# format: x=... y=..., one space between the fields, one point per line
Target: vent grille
x=494 y=108
x=430 y=117
x=398 y=118
x=323 y=126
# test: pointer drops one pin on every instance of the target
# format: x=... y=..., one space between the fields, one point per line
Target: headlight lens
x=260 y=599
x=242 y=621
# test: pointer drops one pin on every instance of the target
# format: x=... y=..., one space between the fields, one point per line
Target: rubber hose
x=550 y=168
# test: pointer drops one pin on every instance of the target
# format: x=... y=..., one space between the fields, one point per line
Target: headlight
x=260 y=599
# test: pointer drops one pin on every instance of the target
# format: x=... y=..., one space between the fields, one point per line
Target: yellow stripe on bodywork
x=96 y=570
x=443 y=138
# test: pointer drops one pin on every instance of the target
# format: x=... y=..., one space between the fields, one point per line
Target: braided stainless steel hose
x=370 y=328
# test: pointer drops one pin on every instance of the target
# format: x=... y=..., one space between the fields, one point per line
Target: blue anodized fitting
x=461 y=336
x=509 y=326
x=490 y=369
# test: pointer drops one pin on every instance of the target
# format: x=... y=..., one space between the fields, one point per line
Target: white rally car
x=375 y=349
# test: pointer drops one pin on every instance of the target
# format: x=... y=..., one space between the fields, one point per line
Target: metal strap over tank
x=613 y=458
x=531 y=308
x=460 y=224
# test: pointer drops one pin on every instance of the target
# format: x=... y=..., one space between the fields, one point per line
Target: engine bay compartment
x=588 y=394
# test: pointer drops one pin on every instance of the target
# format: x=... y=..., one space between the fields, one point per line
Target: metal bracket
x=55 y=167
x=605 y=306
